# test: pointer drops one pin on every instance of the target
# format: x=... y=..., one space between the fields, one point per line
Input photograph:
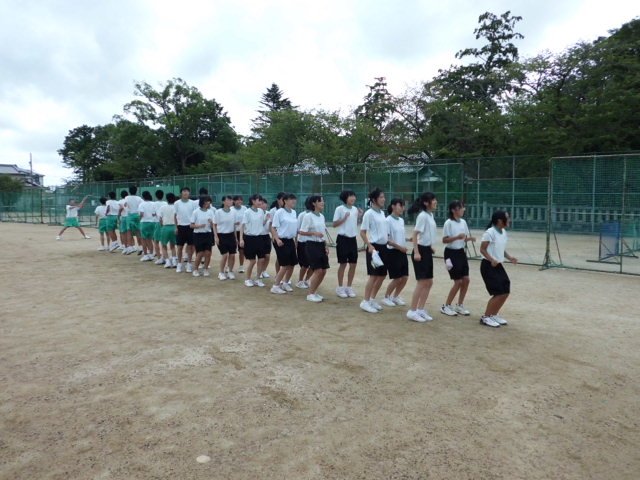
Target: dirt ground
x=113 y=369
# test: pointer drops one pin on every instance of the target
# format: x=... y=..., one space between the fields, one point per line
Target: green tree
x=86 y=150
x=191 y=125
x=10 y=185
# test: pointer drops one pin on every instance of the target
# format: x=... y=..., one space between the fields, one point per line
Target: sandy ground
x=113 y=369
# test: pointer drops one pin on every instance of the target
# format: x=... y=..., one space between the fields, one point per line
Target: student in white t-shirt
x=314 y=227
x=158 y=228
x=184 y=207
x=305 y=273
x=397 y=262
x=284 y=229
x=277 y=203
x=493 y=250
x=375 y=234
x=168 y=231
x=455 y=235
x=239 y=209
x=345 y=219
x=251 y=230
x=126 y=239
x=224 y=229
x=424 y=238
x=112 y=213
x=71 y=218
x=202 y=223
x=147 y=225
x=101 y=222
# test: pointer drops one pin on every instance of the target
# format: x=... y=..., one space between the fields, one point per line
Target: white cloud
x=72 y=62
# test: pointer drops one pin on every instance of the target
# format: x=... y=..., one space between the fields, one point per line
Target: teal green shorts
x=71 y=222
x=168 y=235
x=156 y=232
x=147 y=229
x=112 y=223
x=124 y=224
x=134 y=222
x=102 y=225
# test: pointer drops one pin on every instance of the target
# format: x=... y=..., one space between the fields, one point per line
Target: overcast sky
x=64 y=63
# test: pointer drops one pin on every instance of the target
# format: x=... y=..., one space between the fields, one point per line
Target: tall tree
x=273 y=100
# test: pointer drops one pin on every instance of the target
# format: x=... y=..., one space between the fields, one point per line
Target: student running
x=493 y=250
x=345 y=219
x=455 y=236
x=424 y=236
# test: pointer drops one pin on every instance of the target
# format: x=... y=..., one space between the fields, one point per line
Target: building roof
x=8 y=169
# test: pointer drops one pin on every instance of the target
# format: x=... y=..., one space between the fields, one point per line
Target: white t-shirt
x=302 y=238
x=267 y=226
x=167 y=214
x=125 y=210
x=159 y=205
x=239 y=212
x=396 y=231
x=497 y=243
x=375 y=224
x=184 y=210
x=101 y=211
x=453 y=228
x=225 y=220
x=426 y=228
x=133 y=203
x=113 y=206
x=72 y=211
x=147 y=211
x=313 y=222
x=253 y=221
x=350 y=227
x=286 y=223
x=202 y=217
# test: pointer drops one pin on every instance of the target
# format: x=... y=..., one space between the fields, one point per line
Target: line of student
x=172 y=231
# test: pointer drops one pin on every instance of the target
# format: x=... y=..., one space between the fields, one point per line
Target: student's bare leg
x=250 y=268
x=376 y=285
x=231 y=261
x=341 y=268
x=223 y=262
x=316 y=280
x=288 y=273
x=351 y=274
x=62 y=231
x=425 y=293
x=207 y=259
x=309 y=275
x=421 y=286
x=302 y=274
x=463 y=289
x=457 y=284
x=368 y=288
x=495 y=304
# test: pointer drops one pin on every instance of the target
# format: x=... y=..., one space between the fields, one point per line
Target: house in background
x=28 y=178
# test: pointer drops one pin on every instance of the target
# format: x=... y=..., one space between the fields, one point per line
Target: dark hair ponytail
x=345 y=194
x=394 y=202
x=419 y=203
x=374 y=195
x=498 y=215
x=454 y=205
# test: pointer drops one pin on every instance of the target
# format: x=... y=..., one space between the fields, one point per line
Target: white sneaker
x=375 y=304
x=277 y=290
x=499 y=319
x=206 y=273
x=174 y=262
x=460 y=310
x=398 y=301
x=301 y=284
x=489 y=321
x=131 y=250
x=312 y=297
x=196 y=273
x=258 y=283
x=367 y=307
x=447 y=310
x=342 y=292
x=113 y=247
x=185 y=259
x=388 y=302
x=286 y=287
x=168 y=264
x=350 y=292
x=58 y=237
x=146 y=258
x=307 y=284
x=160 y=261
x=425 y=315
x=265 y=275
x=241 y=269
x=414 y=316
x=102 y=249
x=139 y=250
x=248 y=283
x=222 y=276
x=231 y=276
x=189 y=268
x=87 y=237
x=179 y=268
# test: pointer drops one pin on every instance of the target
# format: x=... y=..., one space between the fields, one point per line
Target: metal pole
x=513 y=188
x=624 y=194
x=593 y=195
x=547 y=256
